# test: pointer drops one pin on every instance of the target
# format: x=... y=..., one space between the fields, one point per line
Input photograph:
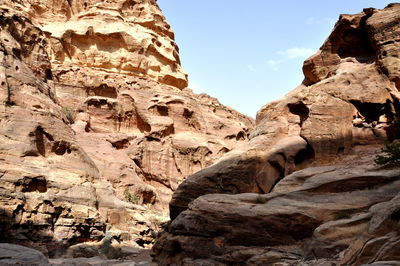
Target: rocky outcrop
x=46 y=177
x=342 y=214
x=121 y=36
x=242 y=170
x=356 y=104
x=312 y=192
x=19 y=255
x=111 y=64
x=11 y=255
x=97 y=125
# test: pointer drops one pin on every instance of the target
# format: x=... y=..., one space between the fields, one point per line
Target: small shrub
x=391 y=154
x=342 y=215
x=69 y=114
x=106 y=248
x=132 y=198
x=260 y=199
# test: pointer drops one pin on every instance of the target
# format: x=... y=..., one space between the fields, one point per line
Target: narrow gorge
x=105 y=153
x=98 y=127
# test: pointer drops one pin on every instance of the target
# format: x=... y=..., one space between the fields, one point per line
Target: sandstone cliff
x=97 y=127
x=304 y=190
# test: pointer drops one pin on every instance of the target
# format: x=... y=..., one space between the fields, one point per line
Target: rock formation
x=304 y=190
x=97 y=127
x=19 y=255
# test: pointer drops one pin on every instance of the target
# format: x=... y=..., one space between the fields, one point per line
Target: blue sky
x=248 y=53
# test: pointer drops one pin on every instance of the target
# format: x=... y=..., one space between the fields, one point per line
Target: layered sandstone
x=328 y=215
x=356 y=104
x=97 y=125
x=341 y=209
x=121 y=36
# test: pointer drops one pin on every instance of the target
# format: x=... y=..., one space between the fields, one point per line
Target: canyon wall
x=97 y=125
x=305 y=190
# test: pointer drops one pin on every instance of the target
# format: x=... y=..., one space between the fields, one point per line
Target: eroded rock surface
x=19 y=255
x=304 y=190
x=97 y=125
x=356 y=104
x=336 y=213
x=120 y=36
x=328 y=215
x=46 y=177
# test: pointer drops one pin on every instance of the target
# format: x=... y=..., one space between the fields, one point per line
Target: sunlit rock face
x=311 y=156
x=98 y=127
x=124 y=37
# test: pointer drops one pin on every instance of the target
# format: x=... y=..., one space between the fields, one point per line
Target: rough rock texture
x=11 y=255
x=343 y=213
x=356 y=104
x=341 y=210
x=97 y=127
x=111 y=37
x=44 y=172
x=111 y=62
x=19 y=255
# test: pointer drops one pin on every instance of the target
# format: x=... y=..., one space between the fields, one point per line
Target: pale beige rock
x=47 y=179
x=97 y=125
x=124 y=37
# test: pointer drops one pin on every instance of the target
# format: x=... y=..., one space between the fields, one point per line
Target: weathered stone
x=332 y=113
x=97 y=125
x=325 y=214
x=47 y=179
x=241 y=171
x=19 y=255
x=343 y=209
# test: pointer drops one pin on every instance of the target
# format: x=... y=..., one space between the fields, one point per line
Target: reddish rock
x=343 y=214
x=356 y=104
x=341 y=209
x=98 y=127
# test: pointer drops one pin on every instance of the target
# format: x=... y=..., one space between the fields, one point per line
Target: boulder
x=19 y=255
x=304 y=190
x=346 y=100
x=344 y=214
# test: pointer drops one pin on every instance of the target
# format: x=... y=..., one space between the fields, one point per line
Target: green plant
x=260 y=199
x=391 y=154
x=132 y=198
x=69 y=114
x=106 y=248
x=344 y=214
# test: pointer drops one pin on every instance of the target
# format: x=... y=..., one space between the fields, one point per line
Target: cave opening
x=103 y=91
x=33 y=184
x=48 y=74
x=372 y=111
x=304 y=157
x=356 y=43
x=299 y=109
x=162 y=110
